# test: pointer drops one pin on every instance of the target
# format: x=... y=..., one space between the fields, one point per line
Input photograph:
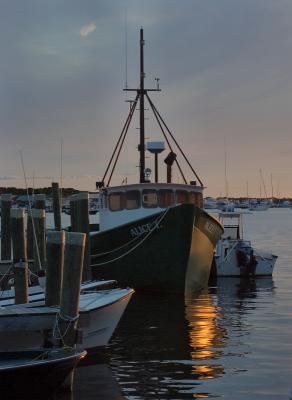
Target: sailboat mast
x=141 y=147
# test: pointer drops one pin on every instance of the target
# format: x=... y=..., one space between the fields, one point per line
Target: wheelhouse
x=122 y=204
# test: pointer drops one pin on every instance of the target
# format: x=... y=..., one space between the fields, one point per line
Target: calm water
x=233 y=341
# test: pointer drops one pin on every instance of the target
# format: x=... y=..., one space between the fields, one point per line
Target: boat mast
x=141 y=93
x=141 y=146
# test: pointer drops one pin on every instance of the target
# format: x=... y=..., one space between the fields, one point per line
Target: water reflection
x=168 y=347
x=171 y=347
x=160 y=339
x=206 y=336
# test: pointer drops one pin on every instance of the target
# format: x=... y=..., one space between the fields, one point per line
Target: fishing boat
x=153 y=235
x=39 y=372
x=235 y=256
x=22 y=325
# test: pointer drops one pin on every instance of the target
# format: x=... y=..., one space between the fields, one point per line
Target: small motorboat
x=235 y=256
x=31 y=373
x=36 y=292
x=22 y=325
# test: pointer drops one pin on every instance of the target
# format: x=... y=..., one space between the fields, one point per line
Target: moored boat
x=153 y=235
x=27 y=374
x=236 y=256
x=22 y=325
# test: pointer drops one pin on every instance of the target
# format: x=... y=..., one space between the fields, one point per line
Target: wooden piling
x=55 y=265
x=80 y=217
x=73 y=213
x=5 y=226
x=56 y=206
x=19 y=256
x=39 y=242
x=73 y=265
x=40 y=201
x=29 y=238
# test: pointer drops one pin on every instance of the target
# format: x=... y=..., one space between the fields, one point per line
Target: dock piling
x=5 y=227
x=56 y=206
x=39 y=241
x=80 y=223
x=73 y=265
x=19 y=256
x=40 y=201
x=55 y=266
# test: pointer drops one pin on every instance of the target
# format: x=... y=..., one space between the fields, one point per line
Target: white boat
x=235 y=256
x=243 y=204
x=228 y=206
x=210 y=203
x=225 y=205
x=22 y=326
x=259 y=206
x=37 y=292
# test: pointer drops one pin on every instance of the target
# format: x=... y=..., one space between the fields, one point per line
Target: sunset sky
x=225 y=69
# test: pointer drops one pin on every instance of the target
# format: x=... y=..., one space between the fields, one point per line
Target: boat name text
x=212 y=229
x=145 y=228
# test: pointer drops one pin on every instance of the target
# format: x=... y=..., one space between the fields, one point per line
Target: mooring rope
x=7 y=272
x=57 y=334
x=156 y=225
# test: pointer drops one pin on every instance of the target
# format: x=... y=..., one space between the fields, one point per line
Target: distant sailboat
x=260 y=204
x=227 y=205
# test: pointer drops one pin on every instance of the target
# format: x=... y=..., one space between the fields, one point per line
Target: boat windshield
x=116 y=201
x=133 y=199
x=165 y=198
x=149 y=198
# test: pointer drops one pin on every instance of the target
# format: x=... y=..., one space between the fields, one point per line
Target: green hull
x=167 y=252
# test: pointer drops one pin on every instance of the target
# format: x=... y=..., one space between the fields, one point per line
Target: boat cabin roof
x=229 y=215
x=232 y=230
x=154 y=186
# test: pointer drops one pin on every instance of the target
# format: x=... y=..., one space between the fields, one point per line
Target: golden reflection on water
x=206 y=336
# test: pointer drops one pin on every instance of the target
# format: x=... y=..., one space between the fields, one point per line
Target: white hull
x=21 y=326
x=236 y=256
x=230 y=267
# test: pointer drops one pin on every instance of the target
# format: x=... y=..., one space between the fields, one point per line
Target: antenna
x=61 y=175
x=126 y=46
x=225 y=170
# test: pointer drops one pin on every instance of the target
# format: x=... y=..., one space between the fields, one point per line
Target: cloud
x=87 y=29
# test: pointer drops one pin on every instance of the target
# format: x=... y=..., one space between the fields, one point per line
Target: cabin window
x=133 y=199
x=165 y=198
x=149 y=197
x=116 y=201
x=195 y=198
x=182 y=196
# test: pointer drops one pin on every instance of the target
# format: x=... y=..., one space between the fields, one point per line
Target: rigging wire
x=61 y=177
x=30 y=210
